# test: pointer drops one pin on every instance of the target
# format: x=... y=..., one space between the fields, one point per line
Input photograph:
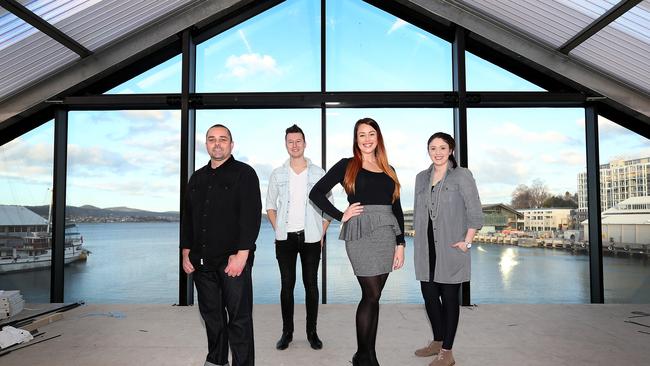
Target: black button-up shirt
x=222 y=213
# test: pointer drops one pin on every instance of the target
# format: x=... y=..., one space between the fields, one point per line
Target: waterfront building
x=499 y=216
x=546 y=219
x=628 y=222
x=18 y=219
x=619 y=180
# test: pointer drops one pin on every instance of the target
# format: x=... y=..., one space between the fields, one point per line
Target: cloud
x=168 y=72
x=250 y=64
x=34 y=160
x=399 y=23
x=95 y=161
x=566 y=157
x=515 y=131
x=243 y=38
x=500 y=165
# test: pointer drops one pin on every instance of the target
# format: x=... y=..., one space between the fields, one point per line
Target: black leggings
x=368 y=317
x=442 y=301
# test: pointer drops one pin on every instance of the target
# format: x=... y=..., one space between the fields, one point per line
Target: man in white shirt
x=299 y=228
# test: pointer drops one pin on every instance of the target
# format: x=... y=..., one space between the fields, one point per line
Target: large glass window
x=482 y=75
x=278 y=50
x=625 y=205
x=25 y=201
x=526 y=163
x=368 y=49
x=259 y=141
x=405 y=133
x=122 y=197
x=164 y=78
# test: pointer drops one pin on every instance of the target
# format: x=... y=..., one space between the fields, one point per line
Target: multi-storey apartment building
x=546 y=219
x=619 y=180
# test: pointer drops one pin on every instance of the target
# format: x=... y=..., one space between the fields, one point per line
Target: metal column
x=593 y=204
x=58 y=204
x=323 y=87
x=460 y=119
x=188 y=137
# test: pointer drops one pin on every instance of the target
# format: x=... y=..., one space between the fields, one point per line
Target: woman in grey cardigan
x=447 y=214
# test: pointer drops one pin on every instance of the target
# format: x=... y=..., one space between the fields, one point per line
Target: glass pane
x=123 y=196
x=369 y=49
x=485 y=76
x=164 y=78
x=278 y=50
x=25 y=198
x=526 y=163
x=407 y=153
x=259 y=141
x=625 y=205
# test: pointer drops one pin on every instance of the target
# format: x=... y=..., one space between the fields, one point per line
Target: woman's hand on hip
x=354 y=209
x=398 y=258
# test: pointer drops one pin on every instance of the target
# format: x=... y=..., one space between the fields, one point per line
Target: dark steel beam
x=58 y=204
x=121 y=101
x=593 y=205
x=188 y=138
x=460 y=120
x=525 y=100
x=598 y=24
x=331 y=100
x=37 y=22
x=323 y=132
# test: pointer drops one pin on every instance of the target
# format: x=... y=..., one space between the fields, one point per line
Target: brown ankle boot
x=444 y=358
x=432 y=349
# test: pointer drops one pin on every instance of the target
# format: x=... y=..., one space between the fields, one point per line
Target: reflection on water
x=138 y=263
x=507 y=263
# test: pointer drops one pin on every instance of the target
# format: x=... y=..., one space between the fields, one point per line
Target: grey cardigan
x=454 y=206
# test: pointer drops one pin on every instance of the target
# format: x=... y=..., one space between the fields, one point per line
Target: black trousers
x=226 y=306
x=286 y=252
x=441 y=300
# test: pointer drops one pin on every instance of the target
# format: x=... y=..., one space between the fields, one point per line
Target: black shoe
x=314 y=341
x=284 y=341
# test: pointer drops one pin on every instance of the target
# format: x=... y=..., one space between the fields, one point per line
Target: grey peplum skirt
x=370 y=240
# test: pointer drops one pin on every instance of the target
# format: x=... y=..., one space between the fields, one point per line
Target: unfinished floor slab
x=155 y=335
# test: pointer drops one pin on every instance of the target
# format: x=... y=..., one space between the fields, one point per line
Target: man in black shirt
x=221 y=221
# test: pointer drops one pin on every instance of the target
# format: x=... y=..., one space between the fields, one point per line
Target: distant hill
x=113 y=212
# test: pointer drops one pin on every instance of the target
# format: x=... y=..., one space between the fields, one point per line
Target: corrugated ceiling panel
x=622 y=49
x=551 y=22
x=13 y=29
x=28 y=55
x=30 y=59
x=110 y=20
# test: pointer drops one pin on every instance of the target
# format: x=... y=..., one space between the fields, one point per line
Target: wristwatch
x=468 y=244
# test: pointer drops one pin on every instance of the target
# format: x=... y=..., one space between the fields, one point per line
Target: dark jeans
x=286 y=252
x=226 y=306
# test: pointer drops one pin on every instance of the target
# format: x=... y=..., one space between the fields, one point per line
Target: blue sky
x=130 y=158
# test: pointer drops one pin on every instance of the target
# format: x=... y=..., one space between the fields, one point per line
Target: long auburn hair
x=354 y=166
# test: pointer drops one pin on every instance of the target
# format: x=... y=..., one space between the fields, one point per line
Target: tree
x=530 y=197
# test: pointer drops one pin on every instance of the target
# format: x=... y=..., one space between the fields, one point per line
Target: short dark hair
x=294 y=129
x=450 y=141
x=219 y=125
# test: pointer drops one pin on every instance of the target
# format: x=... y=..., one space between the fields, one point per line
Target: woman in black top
x=373 y=225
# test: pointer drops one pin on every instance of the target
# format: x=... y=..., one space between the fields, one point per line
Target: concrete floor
x=148 y=335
